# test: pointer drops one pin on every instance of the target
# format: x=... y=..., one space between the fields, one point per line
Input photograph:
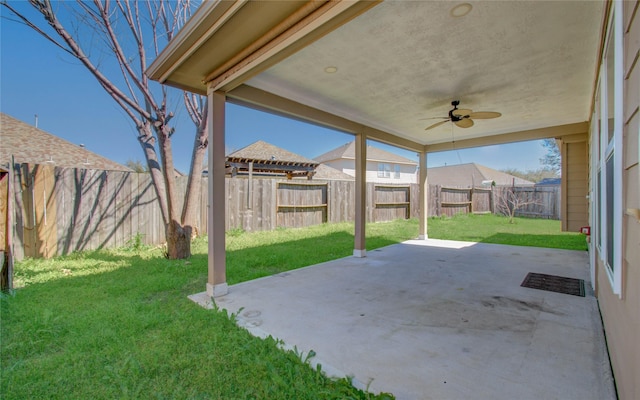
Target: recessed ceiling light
x=331 y=70
x=461 y=10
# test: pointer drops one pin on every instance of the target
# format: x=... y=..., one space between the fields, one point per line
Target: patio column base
x=423 y=237
x=218 y=290
x=359 y=253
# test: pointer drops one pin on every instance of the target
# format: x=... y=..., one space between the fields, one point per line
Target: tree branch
x=44 y=7
x=118 y=52
x=31 y=25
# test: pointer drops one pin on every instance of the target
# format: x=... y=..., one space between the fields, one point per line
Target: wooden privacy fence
x=535 y=202
x=449 y=201
x=61 y=210
x=264 y=204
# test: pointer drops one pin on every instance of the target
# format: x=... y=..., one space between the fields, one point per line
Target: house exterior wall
x=575 y=162
x=407 y=173
x=621 y=313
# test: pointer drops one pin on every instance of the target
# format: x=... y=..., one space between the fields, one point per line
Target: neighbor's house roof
x=28 y=144
x=471 y=174
x=270 y=159
x=348 y=151
x=331 y=174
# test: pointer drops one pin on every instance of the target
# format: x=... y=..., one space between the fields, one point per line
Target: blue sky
x=36 y=78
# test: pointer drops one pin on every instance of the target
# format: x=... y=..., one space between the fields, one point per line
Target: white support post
x=217 y=268
x=360 y=249
x=424 y=196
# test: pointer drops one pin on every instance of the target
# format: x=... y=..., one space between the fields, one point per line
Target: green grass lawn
x=489 y=228
x=118 y=324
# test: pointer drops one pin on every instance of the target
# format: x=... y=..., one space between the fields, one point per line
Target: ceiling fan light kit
x=463 y=117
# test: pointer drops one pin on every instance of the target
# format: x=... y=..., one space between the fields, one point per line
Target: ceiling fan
x=463 y=117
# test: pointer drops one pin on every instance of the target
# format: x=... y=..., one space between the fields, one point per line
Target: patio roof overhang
x=396 y=64
x=381 y=71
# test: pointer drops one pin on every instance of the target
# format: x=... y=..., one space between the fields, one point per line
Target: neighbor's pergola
x=378 y=70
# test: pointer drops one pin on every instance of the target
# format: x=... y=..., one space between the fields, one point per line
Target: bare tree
x=129 y=33
x=508 y=201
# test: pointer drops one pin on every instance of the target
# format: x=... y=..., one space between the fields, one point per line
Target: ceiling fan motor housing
x=463 y=117
x=456 y=117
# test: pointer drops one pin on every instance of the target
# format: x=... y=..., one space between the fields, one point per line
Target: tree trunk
x=194 y=184
x=178 y=241
x=177 y=232
x=147 y=142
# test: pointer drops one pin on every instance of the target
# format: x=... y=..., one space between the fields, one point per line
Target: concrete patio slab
x=433 y=319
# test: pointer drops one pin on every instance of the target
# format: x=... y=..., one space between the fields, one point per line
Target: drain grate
x=554 y=283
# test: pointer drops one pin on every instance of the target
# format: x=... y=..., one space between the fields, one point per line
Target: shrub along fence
x=61 y=210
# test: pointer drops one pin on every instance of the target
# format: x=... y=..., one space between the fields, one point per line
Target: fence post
x=471 y=200
x=438 y=200
x=492 y=200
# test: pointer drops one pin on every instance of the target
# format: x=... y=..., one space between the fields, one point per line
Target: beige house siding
x=621 y=316
x=575 y=182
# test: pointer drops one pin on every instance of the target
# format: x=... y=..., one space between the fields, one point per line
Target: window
x=396 y=173
x=607 y=153
x=608 y=228
x=384 y=170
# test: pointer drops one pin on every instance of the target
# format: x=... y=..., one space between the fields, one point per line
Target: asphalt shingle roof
x=28 y=144
x=331 y=174
x=268 y=153
x=471 y=174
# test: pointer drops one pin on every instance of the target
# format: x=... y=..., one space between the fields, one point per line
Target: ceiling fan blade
x=425 y=119
x=464 y=123
x=484 y=115
x=461 y=112
x=436 y=124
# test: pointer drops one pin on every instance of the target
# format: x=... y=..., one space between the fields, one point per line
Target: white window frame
x=593 y=193
x=612 y=148
x=384 y=170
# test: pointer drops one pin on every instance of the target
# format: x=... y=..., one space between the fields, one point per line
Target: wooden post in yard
x=423 y=188
x=7 y=262
x=492 y=200
x=361 y=196
x=217 y=267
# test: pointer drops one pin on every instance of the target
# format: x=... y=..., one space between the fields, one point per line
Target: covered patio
x=425 y=318
x=385 y=71
x=433 y=319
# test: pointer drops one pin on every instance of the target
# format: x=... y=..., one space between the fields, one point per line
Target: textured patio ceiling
x=400 y=62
